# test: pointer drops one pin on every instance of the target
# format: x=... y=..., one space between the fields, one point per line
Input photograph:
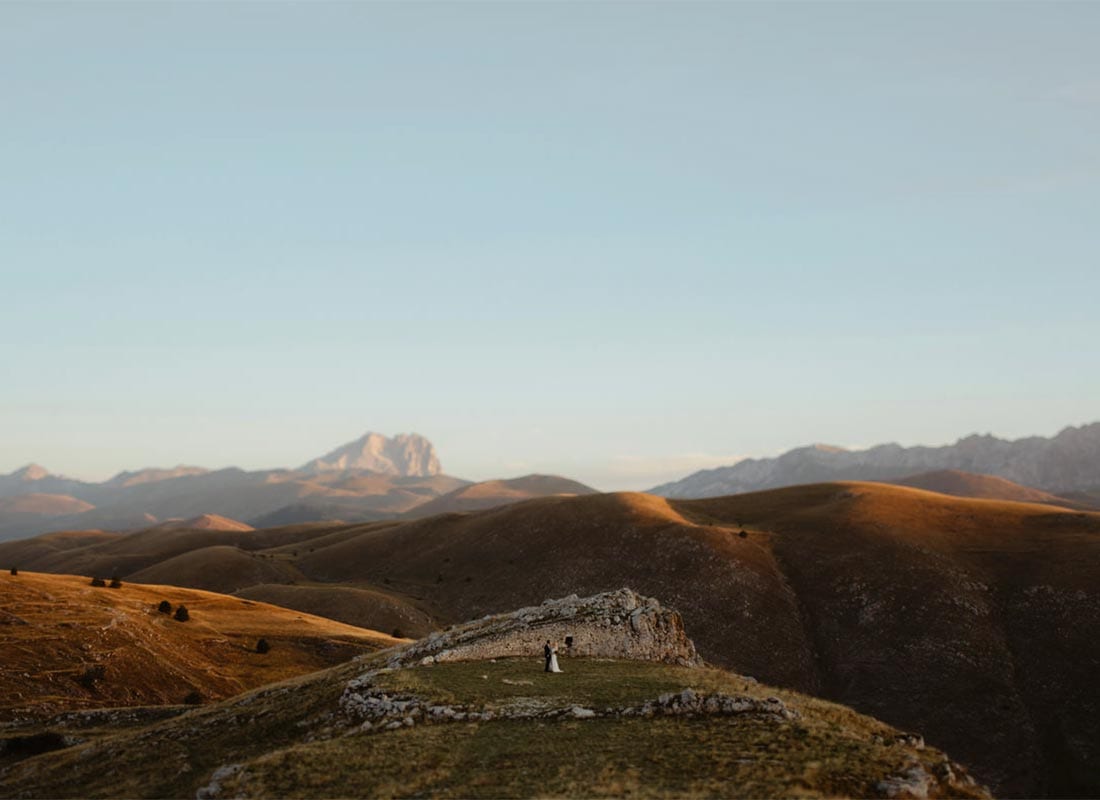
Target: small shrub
x=469 y=579
x=116 y=582
x=386 y=581
x=92 y=675
x=165 y=607
x=744 y=534
x=182 y=614
x=439 y=578
x=262 y=646
x=193 y=698
x=14 y=571
x=398 y=633
x=98 y=582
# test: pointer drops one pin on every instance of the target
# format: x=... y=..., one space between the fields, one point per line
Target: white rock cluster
x=371 y=708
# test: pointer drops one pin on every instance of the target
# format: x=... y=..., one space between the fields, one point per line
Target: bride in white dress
x=554 y=658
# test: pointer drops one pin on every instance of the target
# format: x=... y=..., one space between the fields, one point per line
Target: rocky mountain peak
x=406 y=454
x=1066 y=462
x=31 y=472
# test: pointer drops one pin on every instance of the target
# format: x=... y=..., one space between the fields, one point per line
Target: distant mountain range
x=1066 y=463
x=372 y=478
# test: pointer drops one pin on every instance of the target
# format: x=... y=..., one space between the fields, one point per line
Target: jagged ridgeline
x=470 y=713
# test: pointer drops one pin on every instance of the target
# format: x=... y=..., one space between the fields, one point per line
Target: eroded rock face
x=407 y=454
x=620 y=624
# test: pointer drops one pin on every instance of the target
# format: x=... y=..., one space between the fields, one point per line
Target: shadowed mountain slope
x=364 y=608
x=936 y=613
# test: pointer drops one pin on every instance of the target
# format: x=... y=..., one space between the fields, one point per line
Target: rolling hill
x=498 y=727
x=69 y=646
x=489 y=494
x=967 y=620
x=986 y=487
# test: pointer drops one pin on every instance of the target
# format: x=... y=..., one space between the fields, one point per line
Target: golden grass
x=57 y=632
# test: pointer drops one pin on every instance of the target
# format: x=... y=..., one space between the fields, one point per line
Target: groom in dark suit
x=546 y=653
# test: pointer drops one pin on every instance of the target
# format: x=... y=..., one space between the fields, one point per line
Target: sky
x=617 y=241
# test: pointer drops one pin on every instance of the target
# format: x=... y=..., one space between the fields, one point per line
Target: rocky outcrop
x=407 y=454
x=373 y=708
x=619 y=624
x=1068 y=461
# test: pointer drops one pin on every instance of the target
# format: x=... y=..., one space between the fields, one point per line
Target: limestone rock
x=620 y=624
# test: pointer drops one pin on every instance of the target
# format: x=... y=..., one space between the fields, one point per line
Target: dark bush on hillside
x=193 y=698
x=116 y=582
x=14 y=571
x=398 y=633
x=98 y=582
x=182 y=614
x=744 y=534
x=165 y=607
x=439 y=578
x=469 y=579
x=93 y=675
x=262 y=646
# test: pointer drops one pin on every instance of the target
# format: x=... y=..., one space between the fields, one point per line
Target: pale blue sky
x=618 y=241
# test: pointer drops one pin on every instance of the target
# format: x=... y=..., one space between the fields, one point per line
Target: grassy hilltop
x=571 y=739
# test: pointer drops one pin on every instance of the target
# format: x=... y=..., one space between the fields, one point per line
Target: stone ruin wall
x=618 y=624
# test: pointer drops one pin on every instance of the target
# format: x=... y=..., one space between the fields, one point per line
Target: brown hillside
x=943 y=615
x=204 y=522
x=220 y=568
x=364 y=608
x=986 y=487
x=68 y=645
x=967 y=620
x=489 y=494
x=132 y=552
x=27 y=552
x=49 y=505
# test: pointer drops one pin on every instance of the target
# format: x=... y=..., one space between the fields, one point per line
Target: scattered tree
x=439 y=578
x=14 y=571
x=165 y=607
x=469 y=579
x=98 y=582
x=92 y=675
x=193 y=697
x=744 y=534
x=262 y=646
x=182 y=614
x=116 y=582
x=398 y=633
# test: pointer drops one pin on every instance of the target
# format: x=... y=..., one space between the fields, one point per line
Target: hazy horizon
x=617 y=242
x=645 y=474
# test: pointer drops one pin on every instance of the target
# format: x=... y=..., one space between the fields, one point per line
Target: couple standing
x=550 y=655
